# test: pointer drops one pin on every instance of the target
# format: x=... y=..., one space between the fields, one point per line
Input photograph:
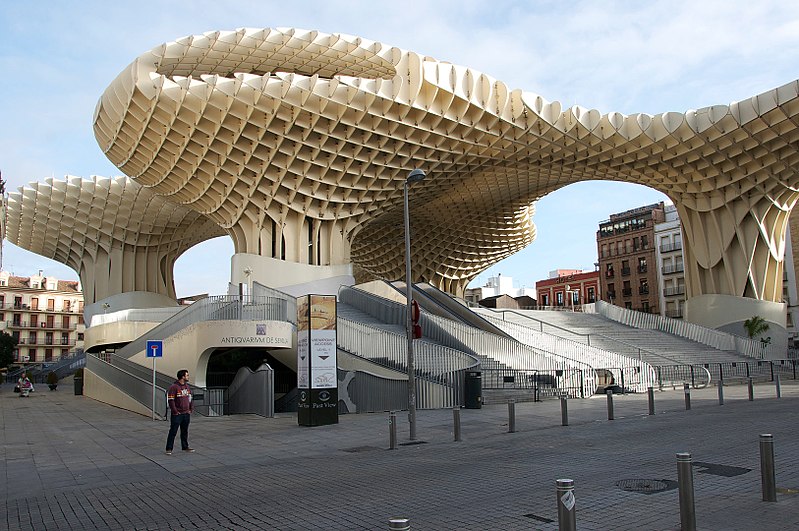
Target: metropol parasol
x=297 y=145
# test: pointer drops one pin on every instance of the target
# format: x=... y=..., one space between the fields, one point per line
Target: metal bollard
x=399 y=524
x=610 y=404
x=511 y=416
x=564 y=491
x=651 y=392
x=767 y=477
x=392 y=430
x=751 y=386
x=564 y=411
x=456 y=421
x=685 y=480
x=721 y=392
x=687 y=390
x=777 y=385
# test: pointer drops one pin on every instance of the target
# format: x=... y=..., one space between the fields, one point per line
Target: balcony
x=39 y=325
x=669 y=269
x=670 y=292
x=611 y=295
x=643 y=290
x=609 y=274
x=627 y=292
x=28 y=308
x=46 y=342
x=642 y=269
x=669 y=247
x=674 y=314
x=625 y=271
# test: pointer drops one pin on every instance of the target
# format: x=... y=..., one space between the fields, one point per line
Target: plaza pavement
x=70 y=462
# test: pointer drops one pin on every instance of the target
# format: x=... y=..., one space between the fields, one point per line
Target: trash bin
x=473 y=390
x=78 y=385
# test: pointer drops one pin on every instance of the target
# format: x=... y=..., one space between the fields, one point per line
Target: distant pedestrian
x=25 y=385
x=180 y=406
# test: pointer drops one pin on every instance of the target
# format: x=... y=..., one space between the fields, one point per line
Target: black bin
x=78 y=385
x=473 y=390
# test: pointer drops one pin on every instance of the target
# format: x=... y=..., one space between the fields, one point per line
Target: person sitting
x=25 y=385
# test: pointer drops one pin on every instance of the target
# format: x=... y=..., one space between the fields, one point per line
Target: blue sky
x=625 y=56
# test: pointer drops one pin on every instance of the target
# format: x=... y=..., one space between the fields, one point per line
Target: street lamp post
x=415 y=176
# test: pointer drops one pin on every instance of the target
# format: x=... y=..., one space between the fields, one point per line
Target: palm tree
x=755 y=326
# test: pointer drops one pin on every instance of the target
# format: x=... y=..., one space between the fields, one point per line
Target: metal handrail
x=635 y=348
x=133 y=386
x=707 y=336
x=506 y=351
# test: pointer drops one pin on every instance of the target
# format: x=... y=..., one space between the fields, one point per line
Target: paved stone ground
x=73 y=463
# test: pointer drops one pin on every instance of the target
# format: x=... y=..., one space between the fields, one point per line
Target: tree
x=755 y=326
x=7 y=346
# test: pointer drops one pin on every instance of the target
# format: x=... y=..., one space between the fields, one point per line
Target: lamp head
x=415 y=176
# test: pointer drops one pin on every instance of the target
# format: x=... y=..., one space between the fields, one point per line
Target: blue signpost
x=155 y=349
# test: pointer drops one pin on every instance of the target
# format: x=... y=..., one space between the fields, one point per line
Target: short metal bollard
x=687 y=390
x=685 y=481
x=399 y=524
x=456 y=421
x=751 y=386
x=721 y=392
x=777 y=385
x=564 y=411
x=767 y=477
x=651 y=393
x=511 y=416
x=564 y=491
x=609 y=394
x=392 y=430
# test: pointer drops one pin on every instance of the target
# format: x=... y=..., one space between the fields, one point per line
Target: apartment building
x=44 y=314
x=627 y=259
x=568 y=288
x=671 y=281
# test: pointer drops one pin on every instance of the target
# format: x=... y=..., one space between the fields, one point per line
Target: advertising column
x=316 y=360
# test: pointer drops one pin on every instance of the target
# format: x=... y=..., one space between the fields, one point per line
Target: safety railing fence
x=365 y=392
x=617 y=345
x=439 y=370
x=567 y=383
x=217 y=308
x=639 y=376
x=678 y=327
x=133 y=386
x=506 y=351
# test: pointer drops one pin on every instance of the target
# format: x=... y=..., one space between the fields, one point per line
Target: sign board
x=316 y=360
x=155 y=348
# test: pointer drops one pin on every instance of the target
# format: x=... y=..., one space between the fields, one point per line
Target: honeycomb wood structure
x=119 y=236
x=297 y=144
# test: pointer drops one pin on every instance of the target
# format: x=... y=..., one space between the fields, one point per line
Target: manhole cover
x=646 y=486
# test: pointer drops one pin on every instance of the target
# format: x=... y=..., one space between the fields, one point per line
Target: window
x=80 y=334
x=636 y=243
x=64 y=352
x=65 y=338
x=559 y=298
x=591 y=295
x=645 y=306
x=32 y=338
x=48 y=338
x=48 y=354
x=645 y=242
x=605 y=250
x=625 y=267
x=609 y=270
x=34 y=303
x=66 y=305
x=628 y=305
x=51 y=304
x=65 y=321
x=642 y=264
x=34 y=320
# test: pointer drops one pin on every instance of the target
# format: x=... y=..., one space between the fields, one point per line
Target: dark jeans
x=182 y=422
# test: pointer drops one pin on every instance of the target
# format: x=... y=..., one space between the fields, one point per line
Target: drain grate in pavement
x=358 y=449
x=646 y=486
x=539 y=518
x=411 y=443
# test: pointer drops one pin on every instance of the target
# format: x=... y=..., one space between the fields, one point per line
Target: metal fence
x=218 y=308
x=493 y=351
x=138 y=389
x=700 y=334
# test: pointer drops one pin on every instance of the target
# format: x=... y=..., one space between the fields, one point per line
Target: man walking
x=178 y=396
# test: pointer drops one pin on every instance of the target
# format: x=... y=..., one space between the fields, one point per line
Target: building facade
x=44 y=314
x=568 y=289
x=671 y=280
x=496 y=286
x=626 y=248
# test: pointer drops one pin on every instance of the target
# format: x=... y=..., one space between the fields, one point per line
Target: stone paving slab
x=73 y=463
